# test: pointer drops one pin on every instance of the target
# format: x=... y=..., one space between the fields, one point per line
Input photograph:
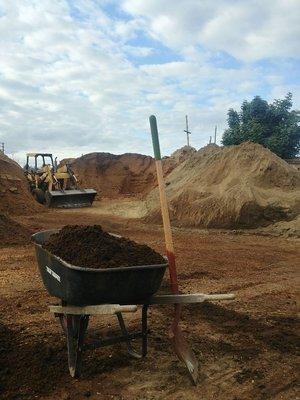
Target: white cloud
x=247 y=30
x=70 y=79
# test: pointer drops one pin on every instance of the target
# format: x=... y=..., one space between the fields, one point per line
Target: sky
x=78 y=76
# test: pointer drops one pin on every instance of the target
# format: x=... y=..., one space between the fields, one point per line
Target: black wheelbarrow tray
x=79 y=286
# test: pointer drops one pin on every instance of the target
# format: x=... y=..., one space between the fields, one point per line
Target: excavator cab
x=40 y=161
x=55 y=186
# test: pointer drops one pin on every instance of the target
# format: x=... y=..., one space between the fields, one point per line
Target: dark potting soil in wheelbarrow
x=91 y=247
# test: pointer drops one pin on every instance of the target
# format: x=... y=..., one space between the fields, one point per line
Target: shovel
x=178 y=341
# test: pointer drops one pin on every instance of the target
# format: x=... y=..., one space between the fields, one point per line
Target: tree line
x=273 y=125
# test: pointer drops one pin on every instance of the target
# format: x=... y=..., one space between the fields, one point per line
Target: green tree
x=274 y=125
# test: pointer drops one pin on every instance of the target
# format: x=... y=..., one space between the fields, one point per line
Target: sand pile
x=235 y=186
x=90 y=246
x=12 y=233
x=126 y=175
x=176 y=158
x=283 y=228
x=14 y=194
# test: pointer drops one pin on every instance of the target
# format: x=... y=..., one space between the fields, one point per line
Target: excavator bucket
x=70 y=198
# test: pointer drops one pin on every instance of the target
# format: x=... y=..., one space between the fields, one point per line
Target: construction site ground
x=247 y=348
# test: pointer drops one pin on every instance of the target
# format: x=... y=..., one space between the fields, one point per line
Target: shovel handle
x=155 y=140
x=164 y=205
x=180 y=345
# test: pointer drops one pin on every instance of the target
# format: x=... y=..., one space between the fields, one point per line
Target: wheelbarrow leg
x=144 y=329
x=125 y=333
x=76 y=326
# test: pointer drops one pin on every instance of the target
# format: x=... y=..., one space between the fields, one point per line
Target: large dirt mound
x=14 y=195
x=229 y=187
x=125 y=175
x=12 y=233
x=90 y=246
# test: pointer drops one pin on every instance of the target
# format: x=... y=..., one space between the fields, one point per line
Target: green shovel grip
x=155 y=140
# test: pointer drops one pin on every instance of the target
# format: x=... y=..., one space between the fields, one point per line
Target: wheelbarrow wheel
x=63 y=322
x=76 y=326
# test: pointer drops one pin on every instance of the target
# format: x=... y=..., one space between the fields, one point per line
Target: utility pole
x=215 y=142
x=187 y=131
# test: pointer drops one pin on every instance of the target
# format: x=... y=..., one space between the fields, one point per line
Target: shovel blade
x=182 y=348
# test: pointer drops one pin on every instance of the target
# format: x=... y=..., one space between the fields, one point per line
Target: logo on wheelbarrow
x=54 y=274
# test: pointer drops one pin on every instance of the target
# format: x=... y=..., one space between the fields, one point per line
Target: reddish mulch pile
x=12 y=233
x=91 y=247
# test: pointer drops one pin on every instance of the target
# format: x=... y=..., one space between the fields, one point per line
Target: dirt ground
x=247 y=348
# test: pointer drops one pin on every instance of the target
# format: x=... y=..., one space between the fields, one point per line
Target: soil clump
x=92 y=247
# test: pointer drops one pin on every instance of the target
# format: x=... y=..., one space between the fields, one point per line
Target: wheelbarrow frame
x=74 y=321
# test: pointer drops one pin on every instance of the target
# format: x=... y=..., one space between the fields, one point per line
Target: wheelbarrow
x=87 y=291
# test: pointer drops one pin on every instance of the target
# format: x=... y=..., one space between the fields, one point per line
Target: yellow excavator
x=55 y=186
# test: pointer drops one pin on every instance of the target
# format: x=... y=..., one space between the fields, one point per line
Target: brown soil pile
x=91 y=247
x=235 y=186
x=14 y=194
x=125 y=175
x=12 y=233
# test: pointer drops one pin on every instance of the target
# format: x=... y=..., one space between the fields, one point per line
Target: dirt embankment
x=12 y=233
x=228 y=187
x=15 y=198
x=125 y=175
